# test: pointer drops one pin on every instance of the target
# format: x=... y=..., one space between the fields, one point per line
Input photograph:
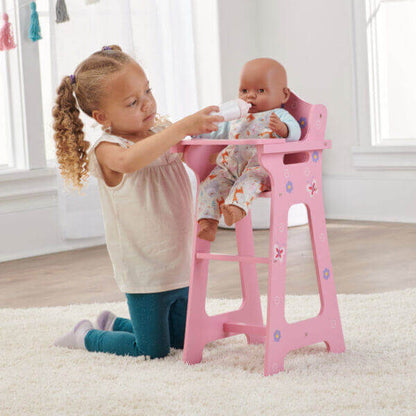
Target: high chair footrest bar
x=240 y=328
x=226 y=257
x=309 y=331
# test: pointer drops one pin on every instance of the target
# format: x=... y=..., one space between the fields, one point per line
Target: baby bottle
x=231 y=110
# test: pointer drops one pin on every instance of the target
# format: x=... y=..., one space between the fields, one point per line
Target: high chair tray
x=269 y=145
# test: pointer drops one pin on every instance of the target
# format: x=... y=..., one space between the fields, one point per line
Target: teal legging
x=157 y=324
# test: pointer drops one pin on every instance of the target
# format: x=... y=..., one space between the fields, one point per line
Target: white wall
x=239 y=41
x=315 y=40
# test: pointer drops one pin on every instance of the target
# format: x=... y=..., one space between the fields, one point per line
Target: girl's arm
x=145 y=151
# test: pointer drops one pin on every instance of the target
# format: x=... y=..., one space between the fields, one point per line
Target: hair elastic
x=72 y=79
x=106 y=48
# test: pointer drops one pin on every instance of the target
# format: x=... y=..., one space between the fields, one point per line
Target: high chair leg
x=248 y=274
x=333 y=338
x=196 y=315
x=277 y=337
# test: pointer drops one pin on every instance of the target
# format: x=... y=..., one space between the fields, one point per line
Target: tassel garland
x=6 y=35
x=61 y=12
x=34 y=29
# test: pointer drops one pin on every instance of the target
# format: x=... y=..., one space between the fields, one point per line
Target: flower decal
x=289 y=187
x=302 y=122
x=326 y=274
x=276 y=336
x=315 y=157
x=278 y=253
x=312 y=188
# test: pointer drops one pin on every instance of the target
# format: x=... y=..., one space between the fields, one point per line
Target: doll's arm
x=285 y=125
x=278 y=126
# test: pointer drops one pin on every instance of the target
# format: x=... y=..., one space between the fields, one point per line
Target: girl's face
x=129 y=106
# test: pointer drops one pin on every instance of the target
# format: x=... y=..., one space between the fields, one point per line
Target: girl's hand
x=201 y=122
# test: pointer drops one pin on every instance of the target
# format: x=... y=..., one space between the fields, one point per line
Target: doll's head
x=263 y=84
x=111 y=87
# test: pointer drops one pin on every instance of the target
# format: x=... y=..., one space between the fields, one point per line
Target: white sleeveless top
x=148 y=220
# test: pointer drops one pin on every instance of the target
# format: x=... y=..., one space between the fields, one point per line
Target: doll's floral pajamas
x=238 y=177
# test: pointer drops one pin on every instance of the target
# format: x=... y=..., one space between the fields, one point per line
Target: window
x=6 y=57
x=43 y=8
x=391 y=36
x=5 y=151
x=384 y=34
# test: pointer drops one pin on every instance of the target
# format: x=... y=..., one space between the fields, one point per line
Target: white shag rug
x=375 y=376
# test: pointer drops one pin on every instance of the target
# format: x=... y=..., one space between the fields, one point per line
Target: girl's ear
x=286 y=94
x=99 y=116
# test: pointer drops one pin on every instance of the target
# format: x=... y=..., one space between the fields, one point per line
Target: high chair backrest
x=311 y=117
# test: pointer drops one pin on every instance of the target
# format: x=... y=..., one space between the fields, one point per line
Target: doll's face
x=263 y=84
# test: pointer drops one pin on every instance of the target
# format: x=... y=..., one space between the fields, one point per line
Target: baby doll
x=238 y=177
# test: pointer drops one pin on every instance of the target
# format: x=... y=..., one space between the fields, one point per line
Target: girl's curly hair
x=85 y=90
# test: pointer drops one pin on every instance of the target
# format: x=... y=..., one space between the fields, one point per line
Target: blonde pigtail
x=71 y=148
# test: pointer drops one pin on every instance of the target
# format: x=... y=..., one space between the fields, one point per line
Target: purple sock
x=105 y=321
x=74 y=339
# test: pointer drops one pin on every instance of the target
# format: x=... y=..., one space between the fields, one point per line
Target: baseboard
x=53 y=249
x=362 y=198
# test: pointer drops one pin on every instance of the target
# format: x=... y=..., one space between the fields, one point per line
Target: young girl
x=145 y=195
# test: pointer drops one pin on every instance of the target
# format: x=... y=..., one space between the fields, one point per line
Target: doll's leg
x=253 y=181
x=213 y=190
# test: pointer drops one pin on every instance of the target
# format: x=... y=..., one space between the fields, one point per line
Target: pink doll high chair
x=295 y=171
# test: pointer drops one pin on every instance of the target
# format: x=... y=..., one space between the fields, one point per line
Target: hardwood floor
x=366 y=256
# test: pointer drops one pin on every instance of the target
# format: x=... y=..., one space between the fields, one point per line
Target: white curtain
x=158 y=34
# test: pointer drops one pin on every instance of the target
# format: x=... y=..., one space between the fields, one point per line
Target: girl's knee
x=153 y=350
x=157 y=353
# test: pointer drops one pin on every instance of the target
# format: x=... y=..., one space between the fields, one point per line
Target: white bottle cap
x=234 y=109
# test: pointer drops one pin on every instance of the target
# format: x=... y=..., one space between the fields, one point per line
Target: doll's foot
x=232 y=214
x=207 y=229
